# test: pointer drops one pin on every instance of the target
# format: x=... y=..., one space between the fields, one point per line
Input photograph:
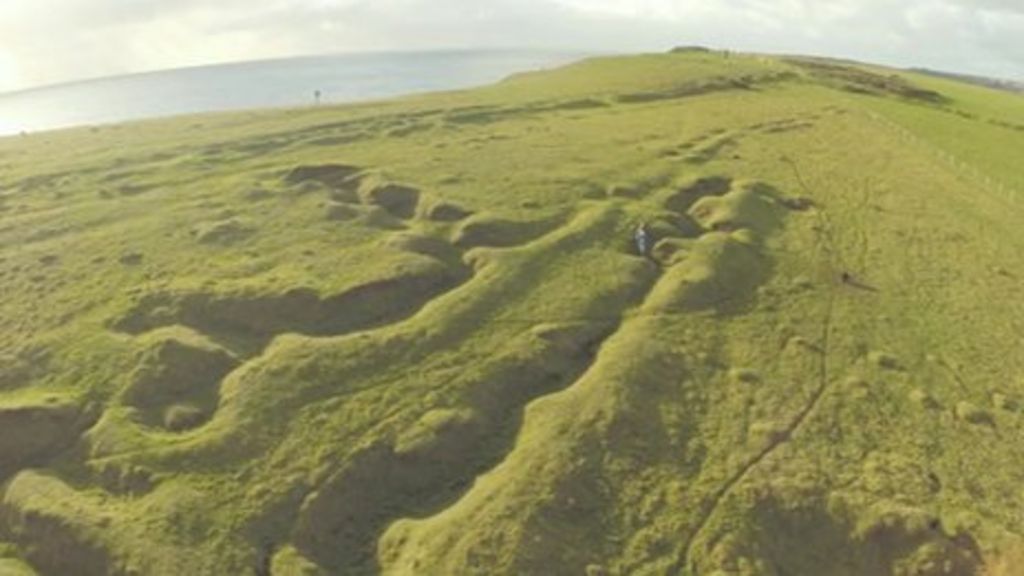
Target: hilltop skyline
x=56 y=41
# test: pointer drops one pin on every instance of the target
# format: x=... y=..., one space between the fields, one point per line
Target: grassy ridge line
x=682 y=289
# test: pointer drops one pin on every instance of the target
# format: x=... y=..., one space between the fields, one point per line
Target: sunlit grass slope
x=414 y=337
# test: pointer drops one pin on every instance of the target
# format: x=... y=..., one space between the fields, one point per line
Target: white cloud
x=9 y=73
x=57 y=40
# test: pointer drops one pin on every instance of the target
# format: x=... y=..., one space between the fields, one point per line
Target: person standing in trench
x=642 y=237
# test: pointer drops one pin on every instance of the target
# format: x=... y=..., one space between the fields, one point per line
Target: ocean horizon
x=278 y=83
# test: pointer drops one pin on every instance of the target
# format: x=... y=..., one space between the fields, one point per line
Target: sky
x=52 y=41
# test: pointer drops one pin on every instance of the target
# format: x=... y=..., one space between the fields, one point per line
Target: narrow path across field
x=826 y=244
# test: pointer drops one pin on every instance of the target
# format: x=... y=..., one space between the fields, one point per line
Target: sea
x=263 y=84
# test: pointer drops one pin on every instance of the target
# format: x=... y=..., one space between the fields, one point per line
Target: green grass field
x=414 y=337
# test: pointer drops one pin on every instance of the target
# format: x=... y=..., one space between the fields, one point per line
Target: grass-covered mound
x=416 y=337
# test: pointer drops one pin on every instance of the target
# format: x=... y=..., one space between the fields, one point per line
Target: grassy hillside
x=414 y=337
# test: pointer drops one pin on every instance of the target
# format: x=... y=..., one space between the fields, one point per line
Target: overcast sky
x=49 y=41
